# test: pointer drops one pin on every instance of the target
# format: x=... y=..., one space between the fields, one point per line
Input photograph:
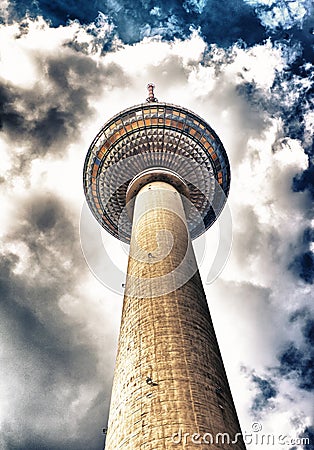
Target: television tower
x=157 y=176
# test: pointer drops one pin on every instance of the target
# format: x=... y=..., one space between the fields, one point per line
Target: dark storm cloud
x=303 y=266
x=307 y=439
x=267 y=392
x=298 y=77
x=49 y=115
x=48 y=359
x=299 y=314
x=171 y=19
x=298 y=364
x=308 y=433
x=305 y=181
x=298 y=361
x=303 y=263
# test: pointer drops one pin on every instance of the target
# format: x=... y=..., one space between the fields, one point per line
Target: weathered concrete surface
x=169 y=376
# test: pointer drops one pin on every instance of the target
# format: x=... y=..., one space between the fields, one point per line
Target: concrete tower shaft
x=169 y=380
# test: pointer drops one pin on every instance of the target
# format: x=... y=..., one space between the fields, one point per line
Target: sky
x=246 y=67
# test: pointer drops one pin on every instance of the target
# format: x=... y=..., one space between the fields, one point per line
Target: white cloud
x=194 y=5
x=286 y=14
x=4 y=6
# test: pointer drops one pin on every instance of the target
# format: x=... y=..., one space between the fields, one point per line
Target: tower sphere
x=159 y=136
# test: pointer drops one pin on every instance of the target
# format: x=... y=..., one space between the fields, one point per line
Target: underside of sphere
x=148 y=136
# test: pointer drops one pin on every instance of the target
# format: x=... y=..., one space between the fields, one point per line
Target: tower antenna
x=151 y=97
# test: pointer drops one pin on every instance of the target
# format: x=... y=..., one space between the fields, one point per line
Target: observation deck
x=155 y=135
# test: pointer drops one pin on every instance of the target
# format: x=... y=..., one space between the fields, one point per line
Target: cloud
x=298 y=361
x=274 y=14
x=248 y=21
x=56 y=386
x=267 y=392
x=303 y=266
x=47 y=114
x=304 y=181
x=60 y=329
x=50 y=365
x=308 y=434
x=171 y=20
x=194 y=5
